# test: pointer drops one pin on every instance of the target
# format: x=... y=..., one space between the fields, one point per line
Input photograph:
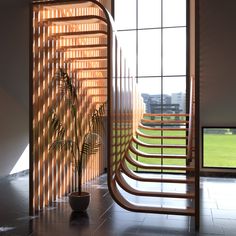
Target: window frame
x=215 y=171
x=162 y=75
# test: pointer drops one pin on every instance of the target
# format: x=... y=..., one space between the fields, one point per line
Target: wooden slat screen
x=71 y=35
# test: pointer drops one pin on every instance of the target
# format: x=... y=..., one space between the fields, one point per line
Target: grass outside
x=219 y=150
x=165 y=161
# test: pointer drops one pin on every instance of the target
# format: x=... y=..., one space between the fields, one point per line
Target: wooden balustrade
x=70 y=35
x=78 y=36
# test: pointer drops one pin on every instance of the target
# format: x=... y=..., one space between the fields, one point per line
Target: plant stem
x=79 y=167
x=80 y=176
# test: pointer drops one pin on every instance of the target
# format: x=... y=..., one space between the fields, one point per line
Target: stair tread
x=165 y=114
x=156 y=155
x=84 y=79
x=128 y=188
x=75 y=19
x=81 y=33
x=142 y=165
x=164 y=121
x=161 y=128
x=82 y=47
x=139 y=142
x=65 y=5
x=96 y=87
x=101 y=58
x=147 y=208
x=91 y=68
x=159 y=136
x=142 y=178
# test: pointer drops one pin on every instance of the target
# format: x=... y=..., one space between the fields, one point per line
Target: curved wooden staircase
x=150 y=156
x=153 y=161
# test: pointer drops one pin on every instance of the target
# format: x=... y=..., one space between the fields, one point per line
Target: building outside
x=165 y=103
x=179 y=98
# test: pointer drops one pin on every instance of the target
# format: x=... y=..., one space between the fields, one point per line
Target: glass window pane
x=149 y=13
x=174 y=13
x=150 y=89
x=175 y=88
x=219 y=149
x=149 y=52
x=174 y=51
x=125 y=14
x=127 y=41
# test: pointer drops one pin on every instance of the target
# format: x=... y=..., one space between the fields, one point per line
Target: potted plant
x=81 y=144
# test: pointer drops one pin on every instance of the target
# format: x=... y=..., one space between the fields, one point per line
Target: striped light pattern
x=72 y=35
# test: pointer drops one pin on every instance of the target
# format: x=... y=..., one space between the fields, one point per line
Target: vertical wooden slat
x=50 y=75
x=61 y=112
x=35 y=111
x=72 y=66
x=31 y=105
x=46 y=104
x=40 y=111
x=55 y=155
x=35 y=108
x=52 y=171
x=58 y=107
x=66 y=164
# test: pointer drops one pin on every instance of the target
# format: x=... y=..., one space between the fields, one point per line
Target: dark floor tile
x=226 y=205
x=106 y=218
x=211 y=229
x=165 y=225
x=206 y=212
x=126 y=216
x=156 y=217
x=163 y=230
x=228 y=226
x=209 y=204
x=206 y=220
x=150 y=231
x=177 y=217
x=114 y=227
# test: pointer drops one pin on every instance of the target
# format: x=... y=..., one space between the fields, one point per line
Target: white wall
x=14 y=82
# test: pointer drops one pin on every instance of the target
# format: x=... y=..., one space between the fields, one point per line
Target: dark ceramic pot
x=79 y=202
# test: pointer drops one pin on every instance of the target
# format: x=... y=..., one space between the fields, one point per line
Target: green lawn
x=219 y=150
x=165 y=150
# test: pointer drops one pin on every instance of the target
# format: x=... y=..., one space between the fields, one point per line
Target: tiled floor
x=105 y=218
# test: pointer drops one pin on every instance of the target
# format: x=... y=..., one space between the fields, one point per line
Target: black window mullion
x=137 y=42
x=162 y=88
